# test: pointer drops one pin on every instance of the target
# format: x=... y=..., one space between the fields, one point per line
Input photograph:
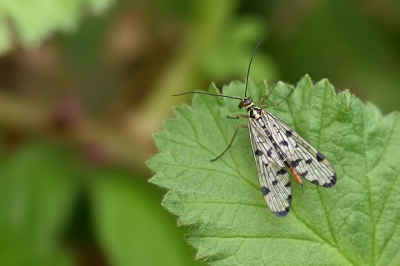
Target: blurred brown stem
x=28 y=118
x=183 y=72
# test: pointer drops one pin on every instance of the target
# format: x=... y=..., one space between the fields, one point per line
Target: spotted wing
x=272 y=173
x=303 y=157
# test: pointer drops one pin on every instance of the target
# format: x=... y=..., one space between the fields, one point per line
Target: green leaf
x=36 y=196
x=35 y=20
x=354 y=223
x=131 y=226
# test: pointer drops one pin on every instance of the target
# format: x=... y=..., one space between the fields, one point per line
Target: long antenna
x=251 y=60
x=206 y=93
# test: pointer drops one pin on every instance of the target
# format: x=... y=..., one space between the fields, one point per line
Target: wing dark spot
x=266 y=165
x=281 y=155
x=265 y=191
x=269 y=152
x=304 y=174
x=332 y=183
x=282 y=171
x=272 y=140
x=315 y=182
x=288 y=184
x=282 y=213
x=283 y=143
x=328 y=185
x=309 y=161
x=289 y=133
x=274 y=183
x=320 y=157
x=289 y=199
x=296 y=162
x=258 y=152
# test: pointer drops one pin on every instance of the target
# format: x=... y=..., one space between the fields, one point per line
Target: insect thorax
x=253 y=111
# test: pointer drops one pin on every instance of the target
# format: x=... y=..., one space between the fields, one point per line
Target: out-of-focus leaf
x=131 y=225
x=35 y=20
x=36 y=195
x=230 y=56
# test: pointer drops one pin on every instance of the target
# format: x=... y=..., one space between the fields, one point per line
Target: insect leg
x=268 y=93
x=230 y=144
x=274 y=104
x=237 y=116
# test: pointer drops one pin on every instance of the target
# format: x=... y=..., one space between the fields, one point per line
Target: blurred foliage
x=35 y=201
x=355 y=44
x=83 y=86
x=35 y=20
x=40 y=185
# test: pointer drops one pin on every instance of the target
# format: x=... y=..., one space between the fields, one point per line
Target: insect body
x=278 y=150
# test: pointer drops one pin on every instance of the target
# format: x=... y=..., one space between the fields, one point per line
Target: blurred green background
x=84 y=84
